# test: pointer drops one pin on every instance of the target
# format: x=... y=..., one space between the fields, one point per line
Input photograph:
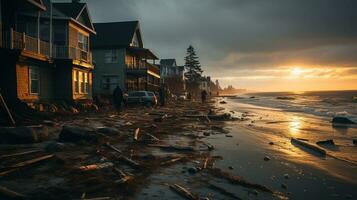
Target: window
x=109 y=82
x=82 y=42
x=86 y=83
x=81 y=82
x=75 y=81
x=34 y=77
x=110 y=56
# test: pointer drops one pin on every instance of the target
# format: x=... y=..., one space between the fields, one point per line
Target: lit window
x=82 y=42
x=86 y=83
x=34 y=76
x=81 y=82
x=75 y=81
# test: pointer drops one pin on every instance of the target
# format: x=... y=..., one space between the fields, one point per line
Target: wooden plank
x=11 y=194
x=20 y=153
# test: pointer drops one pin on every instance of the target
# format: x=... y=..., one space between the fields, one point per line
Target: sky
x=275 y=45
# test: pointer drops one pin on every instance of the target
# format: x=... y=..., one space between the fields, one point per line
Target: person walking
x=117 y=98
x=203 y=96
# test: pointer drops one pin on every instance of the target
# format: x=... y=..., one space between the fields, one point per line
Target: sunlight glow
x=296 y=71
x=295 y=125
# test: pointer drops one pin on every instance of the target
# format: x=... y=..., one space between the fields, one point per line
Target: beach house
x=121 y=59
x=172 y=76
x=45 y=51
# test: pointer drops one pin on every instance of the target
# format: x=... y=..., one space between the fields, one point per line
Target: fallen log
x=10 y=194
x=238 y=180
x=309 y=146
x=184 y=192
x=20 y=154
x=172 y=147
x=96 y=166
x=224 y=191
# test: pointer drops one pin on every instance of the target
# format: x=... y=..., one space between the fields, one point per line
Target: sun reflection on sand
x=295 y=126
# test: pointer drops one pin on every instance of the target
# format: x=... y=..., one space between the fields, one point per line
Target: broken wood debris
x=238 y=180
x=137 y=134
x=96 y=166
x=17 y=166
x=172 y=147
x=129 y=161
x=171 y=161
x=309 y=146
x=184 y=192
x=10 y=194
x=20 y=153
x=113 y=147
x=224 y=191
x=123 y=176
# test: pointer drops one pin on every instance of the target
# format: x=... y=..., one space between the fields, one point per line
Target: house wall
x=73 y=31
x=23 y=82
x=63 y=83
x=102 y=70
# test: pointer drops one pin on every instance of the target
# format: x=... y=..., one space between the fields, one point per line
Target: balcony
x=25 y=42
x=143 y=67
x=66 y=52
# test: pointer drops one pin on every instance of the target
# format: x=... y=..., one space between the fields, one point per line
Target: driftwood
x=309 y=146
x=224 y=191
x=123 y=176
x=17 y=166
x=205 y=163
x=238 y=180
x=20 y=154
x=171 y=161
x=113 y=147
x=137 y=134
x=10 y=194
x=172 y=147
x=96 y=166
x=184 y=192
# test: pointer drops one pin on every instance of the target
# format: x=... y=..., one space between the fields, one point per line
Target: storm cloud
x=241 y=34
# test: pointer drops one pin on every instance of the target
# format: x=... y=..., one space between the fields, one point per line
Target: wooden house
x=121 y=59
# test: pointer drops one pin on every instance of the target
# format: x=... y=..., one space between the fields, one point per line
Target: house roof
x=37 y=3
x=168 y=62
x=116 y=34
x=75 y=11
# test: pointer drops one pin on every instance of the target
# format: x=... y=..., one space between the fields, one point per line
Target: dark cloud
x=260 y=33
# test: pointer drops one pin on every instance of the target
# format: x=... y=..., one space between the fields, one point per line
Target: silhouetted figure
x=162 y=95
x=203 y=96
x=117 y=98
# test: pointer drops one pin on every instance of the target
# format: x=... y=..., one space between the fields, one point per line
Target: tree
x=193 y=73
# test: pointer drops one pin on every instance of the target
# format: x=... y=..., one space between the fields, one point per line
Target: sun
x=296 y=71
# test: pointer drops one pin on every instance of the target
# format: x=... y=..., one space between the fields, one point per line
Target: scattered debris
x=108 y=131
x=284 y=186
x=342 y=120
x=184 y=192
x=172 y=161
x=113 y=147
x=137 y=134
x=123 y=176
x=76 y=134
x=20 y=153
x=271 y=143
x=326 y=142
x=96 y=166
x=10 y=194
x=286 y=176
x=238 y=180
x=223 y=191
x=267 y=158
x=23 y=135
x=223 y=102
x=172 y=147
x=309 y=146
x=355 y=141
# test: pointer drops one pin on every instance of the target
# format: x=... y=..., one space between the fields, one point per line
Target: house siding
x=102 y=69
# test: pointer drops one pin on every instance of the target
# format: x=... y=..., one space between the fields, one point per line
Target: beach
x=225 y=149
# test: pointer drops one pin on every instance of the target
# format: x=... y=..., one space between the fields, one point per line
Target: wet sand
x=235 y=169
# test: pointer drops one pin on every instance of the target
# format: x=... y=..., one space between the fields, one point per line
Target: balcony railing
x=28 y=43
x=143 y=65
x=66 y=52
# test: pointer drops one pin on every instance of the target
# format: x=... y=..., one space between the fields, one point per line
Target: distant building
x=44 y=59
x=172 y=76
x=121 y=59
x=205 y=84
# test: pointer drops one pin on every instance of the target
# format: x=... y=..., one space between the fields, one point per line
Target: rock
x=223 y=102
x=221 y=117
x=192 y=170
x=23 y=135
x=76 y=134
x=284 y=186
x=355 y=141
x=54 y=147
x=271 y=143
x=108 y=131
x=229 y=135
x=230 y=167
x=342 y=120
x=326 y=142
x=286 y=176
x=267 y=158
x=206 y=134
